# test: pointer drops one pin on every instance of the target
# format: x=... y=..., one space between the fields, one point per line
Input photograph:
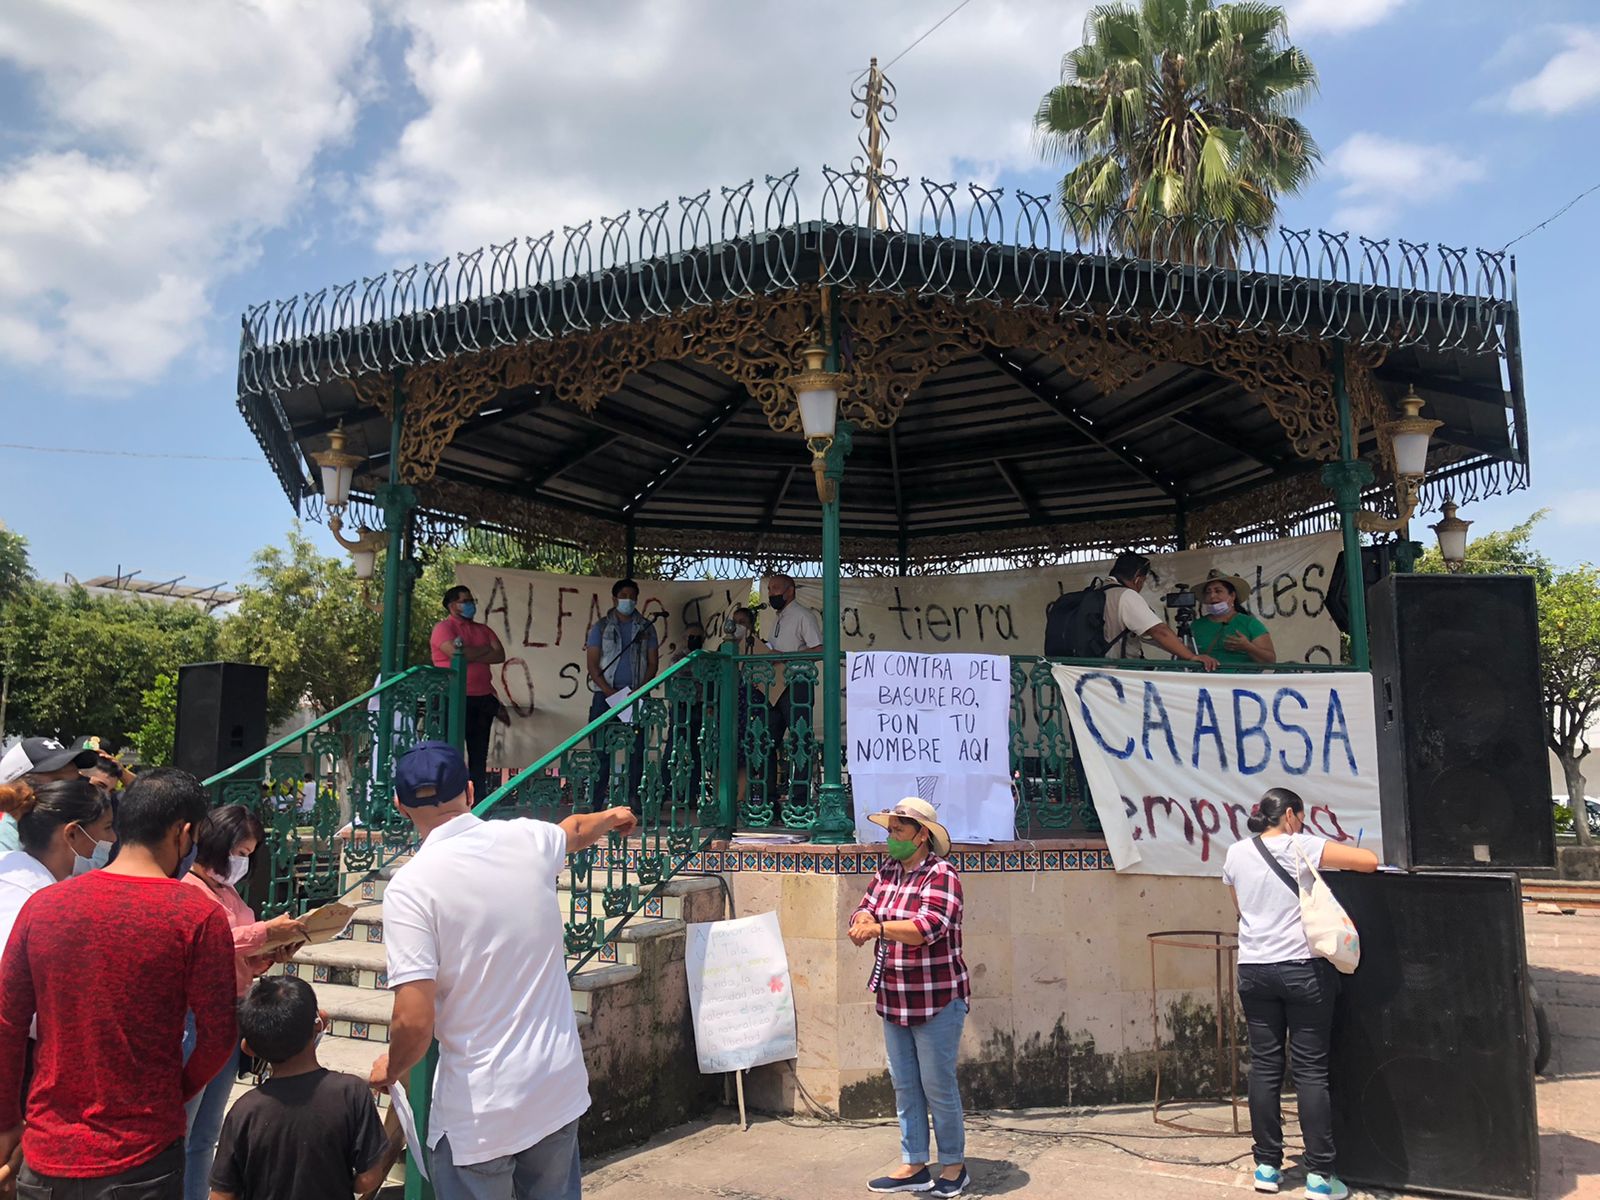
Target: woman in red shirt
x=222 y=848
x=912 y=912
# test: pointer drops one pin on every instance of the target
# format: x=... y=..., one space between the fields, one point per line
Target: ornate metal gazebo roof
x=1019 y=391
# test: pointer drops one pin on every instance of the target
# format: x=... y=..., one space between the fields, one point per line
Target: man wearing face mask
x=105 y=1110
x=622 y=652
x=795 y=627
x=481 y=647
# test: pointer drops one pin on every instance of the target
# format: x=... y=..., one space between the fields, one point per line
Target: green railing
x=656 y=764
x=324 y=793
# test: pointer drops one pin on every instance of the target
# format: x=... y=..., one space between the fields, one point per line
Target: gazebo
x=1008 y=389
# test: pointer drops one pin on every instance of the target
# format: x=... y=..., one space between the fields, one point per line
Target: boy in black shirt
x=307 y=1133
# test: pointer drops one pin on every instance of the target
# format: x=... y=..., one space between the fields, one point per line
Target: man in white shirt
x=795 y=627
x=473 y=933
x=1130 y=620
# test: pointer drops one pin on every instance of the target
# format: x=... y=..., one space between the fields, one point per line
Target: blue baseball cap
x=430 y=773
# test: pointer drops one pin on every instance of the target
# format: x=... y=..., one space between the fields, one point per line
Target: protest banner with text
x=934 y=726
x=740 y=997
x=543 y=620
x=1175 y=761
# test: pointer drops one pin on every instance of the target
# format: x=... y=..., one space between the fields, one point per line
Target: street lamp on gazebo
x=1451 y=531
x=816 y=394
x=338 y=467
x=1408 y=436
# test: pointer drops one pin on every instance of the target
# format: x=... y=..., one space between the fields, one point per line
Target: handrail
x=611 y=714
x=326 y=719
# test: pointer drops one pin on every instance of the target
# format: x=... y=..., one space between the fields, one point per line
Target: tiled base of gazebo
x=1056 y=944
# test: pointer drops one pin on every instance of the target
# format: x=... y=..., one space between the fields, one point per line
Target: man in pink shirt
x=481 y=647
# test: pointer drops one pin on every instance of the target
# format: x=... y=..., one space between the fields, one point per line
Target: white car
x=1591 y=803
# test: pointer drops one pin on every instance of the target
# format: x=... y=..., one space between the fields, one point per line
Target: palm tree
x=1178 y=117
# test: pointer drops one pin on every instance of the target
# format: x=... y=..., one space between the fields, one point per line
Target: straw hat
x=1241 y=589
x=914 y=808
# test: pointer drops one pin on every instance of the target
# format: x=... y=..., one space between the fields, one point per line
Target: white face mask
x=98 y=858
x=1219 y=608
x=238 y=868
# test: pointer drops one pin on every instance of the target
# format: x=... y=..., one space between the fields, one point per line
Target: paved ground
x=1058 y=1154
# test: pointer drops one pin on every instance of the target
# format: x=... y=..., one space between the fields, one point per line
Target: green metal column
x=1346 y=479
x=458 y=703
x=397 y=501
x=835 y=824
x=410 y=569
x=728 y=685
x=419 y=1091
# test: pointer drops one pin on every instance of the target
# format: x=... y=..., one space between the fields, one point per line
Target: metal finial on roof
x=874 y=103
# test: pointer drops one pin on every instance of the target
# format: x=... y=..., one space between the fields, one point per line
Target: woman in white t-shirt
x=1286 y=990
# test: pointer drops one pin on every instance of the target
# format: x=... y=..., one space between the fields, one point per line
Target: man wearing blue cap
x=473 y=931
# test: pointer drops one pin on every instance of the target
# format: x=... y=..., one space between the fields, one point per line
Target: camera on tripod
x=1182 y=599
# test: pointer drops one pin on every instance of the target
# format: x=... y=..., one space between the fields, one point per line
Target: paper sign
x=739 y=994
x=400 y=1105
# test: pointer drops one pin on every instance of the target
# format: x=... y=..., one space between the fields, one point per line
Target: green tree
x=80 y=664
x=306 y=618
x=1569 y=659
x=15 y=571
x=1176 y=113
x=158 y=732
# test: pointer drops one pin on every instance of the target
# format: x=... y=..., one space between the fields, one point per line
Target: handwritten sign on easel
x=739 y=994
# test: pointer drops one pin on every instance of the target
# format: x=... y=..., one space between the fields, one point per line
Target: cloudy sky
x=165 y=164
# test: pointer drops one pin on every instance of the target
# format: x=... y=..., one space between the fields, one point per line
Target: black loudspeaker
x=1464 y=774
x=1433 y=1041
x=1376 y=562
x=222 y=715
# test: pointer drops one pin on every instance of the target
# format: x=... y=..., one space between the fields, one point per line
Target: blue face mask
x=469 y=609
x=186 y=861
x=625 y=606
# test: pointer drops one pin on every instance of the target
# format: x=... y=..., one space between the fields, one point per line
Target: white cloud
x=538 y=117
x=175 y=134
x=1569 y=80
x=1381 y=176
x=1337 y=16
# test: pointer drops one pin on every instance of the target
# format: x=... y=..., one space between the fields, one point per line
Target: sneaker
x=952 y=1187
x=1325 y=1187
x=922 y=1181
x=1267 y=1177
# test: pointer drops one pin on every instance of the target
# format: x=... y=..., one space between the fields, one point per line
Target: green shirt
x=1209 y=634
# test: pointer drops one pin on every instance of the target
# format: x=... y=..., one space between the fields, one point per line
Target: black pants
x=602 y=783
x=481 y=712
x=1293 y=999
x=159 y=1179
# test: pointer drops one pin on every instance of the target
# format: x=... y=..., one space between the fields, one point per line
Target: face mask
x=321 y=1033
x=777 y=603
x=469 y=610
x=100 y=856
x=900 y=851
x=625 y=607
x=695 y=643
x=741 y=633
x=186 y=861
x=1217 y=609
x=238 y=868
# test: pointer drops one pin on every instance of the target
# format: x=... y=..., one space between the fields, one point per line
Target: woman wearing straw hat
x=1225 y=629
x=912 y=914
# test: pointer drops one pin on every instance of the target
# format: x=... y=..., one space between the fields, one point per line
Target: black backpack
x=1075 y=623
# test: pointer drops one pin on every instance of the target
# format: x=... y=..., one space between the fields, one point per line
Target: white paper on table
x=621 y=696
x=408 y=1125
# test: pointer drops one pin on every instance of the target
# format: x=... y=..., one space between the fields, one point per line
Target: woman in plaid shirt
x=912 y=915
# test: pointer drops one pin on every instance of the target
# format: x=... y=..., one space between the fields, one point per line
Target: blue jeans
x=1292 y=1000
x=547 y=1170
x=205 y=1111
x=922 y=1064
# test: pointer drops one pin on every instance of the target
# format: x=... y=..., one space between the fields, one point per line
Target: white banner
x=543 y=619
x=935 y=726
x=739 y=993
x=1002 y=612
x=1176 y=760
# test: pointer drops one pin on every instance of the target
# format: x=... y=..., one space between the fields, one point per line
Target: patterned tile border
x=1015 y=857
